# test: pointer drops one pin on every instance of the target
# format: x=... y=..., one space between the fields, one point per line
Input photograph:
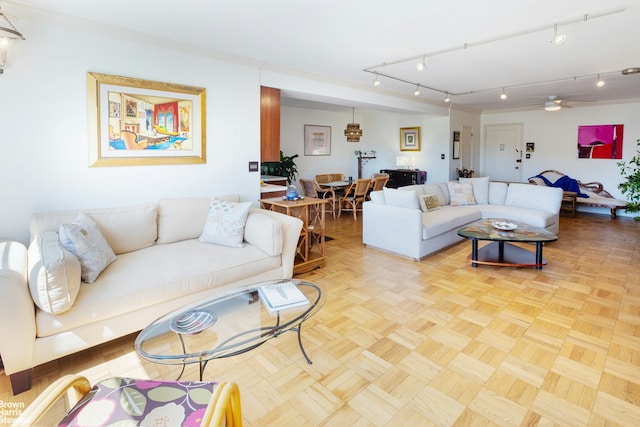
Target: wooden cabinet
x=403 y=177
x=269 y=124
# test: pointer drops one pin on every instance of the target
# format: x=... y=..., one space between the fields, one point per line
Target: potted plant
x=287 y=167
x=631 y=186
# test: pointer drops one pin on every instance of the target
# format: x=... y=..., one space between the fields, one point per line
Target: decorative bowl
x=193 y=321
x=504 y=226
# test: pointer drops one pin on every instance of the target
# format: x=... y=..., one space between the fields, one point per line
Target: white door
x=503 y=152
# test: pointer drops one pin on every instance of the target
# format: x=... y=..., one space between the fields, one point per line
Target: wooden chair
x=355 y=195
x=379 y=183
x=464 y=173
x=323 y=178
x=145 y=399
x=311 y=188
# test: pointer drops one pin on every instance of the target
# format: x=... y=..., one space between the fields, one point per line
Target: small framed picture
x=531 y=147
x=410 y=139
x=317 y=140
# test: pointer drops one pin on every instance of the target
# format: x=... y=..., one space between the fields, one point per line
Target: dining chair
x=138 y=402
x=323 y=178
x=354 y=196
x=378 y=183
x=311 y=188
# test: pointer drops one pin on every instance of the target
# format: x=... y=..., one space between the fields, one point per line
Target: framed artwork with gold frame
x=410 y=139
x=162 y=123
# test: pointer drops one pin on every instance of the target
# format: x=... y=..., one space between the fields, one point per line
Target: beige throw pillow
x=54 y=274
x=83 y=239
x=225 y=223
x=429 y=202
x=461 y=194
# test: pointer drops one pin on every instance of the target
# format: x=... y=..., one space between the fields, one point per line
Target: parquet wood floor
x=439 y=343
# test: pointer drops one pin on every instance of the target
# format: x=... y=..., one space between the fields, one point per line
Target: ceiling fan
x=554 y=103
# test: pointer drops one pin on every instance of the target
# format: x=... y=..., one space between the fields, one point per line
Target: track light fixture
x=600 y=82
x=558 y=39
x=8 y=34
x=446 y=98
x=376 y=82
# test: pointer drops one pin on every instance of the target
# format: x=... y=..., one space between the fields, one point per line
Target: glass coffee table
x=224 y=326
x=500 y=252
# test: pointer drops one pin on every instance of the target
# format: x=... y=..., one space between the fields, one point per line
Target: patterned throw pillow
x=225 y=223
x=461 y=194
x=83 y=239
x=428 y=202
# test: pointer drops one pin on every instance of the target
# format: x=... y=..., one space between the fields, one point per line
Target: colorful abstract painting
x=600 y=141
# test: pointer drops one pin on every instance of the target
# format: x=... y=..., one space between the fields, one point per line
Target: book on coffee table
x=282 y=296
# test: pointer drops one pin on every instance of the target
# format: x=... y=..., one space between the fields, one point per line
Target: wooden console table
x=310 y=251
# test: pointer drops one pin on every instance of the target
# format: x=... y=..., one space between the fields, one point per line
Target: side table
x=310 y=251
x=569 y=202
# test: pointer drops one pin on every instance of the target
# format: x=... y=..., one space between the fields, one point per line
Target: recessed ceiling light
x=631 y=70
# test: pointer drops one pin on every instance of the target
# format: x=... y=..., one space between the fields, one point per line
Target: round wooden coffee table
x=500 y=251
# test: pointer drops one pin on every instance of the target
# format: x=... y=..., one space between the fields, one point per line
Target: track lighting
x=417 y=92
x=558 y=39
x=376 y=82
x=503 y=95
x=446 y=98
x=421 y=65
x=600 y=82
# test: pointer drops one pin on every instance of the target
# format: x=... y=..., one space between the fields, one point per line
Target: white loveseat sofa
x=394 y=221
x=160 y=266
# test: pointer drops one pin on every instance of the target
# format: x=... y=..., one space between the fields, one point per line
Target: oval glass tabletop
x=494 y=229
x=226 y=325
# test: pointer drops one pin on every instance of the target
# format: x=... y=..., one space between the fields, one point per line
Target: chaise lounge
x=596 y=196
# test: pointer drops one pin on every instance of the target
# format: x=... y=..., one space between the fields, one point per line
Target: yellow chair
x=131 y=140
x=127 y=400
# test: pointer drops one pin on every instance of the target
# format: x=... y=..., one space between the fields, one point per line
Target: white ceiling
x=508 y=43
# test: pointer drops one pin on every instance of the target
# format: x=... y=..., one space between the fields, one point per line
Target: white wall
x=43 y=111
x=555 y=135
x=381 y=132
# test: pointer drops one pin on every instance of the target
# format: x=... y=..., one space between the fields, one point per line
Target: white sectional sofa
x=394 y=221
x=160 y=265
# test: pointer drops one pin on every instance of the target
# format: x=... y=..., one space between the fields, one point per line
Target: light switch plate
x=253 y=166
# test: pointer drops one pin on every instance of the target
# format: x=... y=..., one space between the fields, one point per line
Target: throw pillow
x=225 y=223
x=428 y=202
x=403 y=199
x=83 y=239
x=461 y=194
x=54 y=274
x=480 y=188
